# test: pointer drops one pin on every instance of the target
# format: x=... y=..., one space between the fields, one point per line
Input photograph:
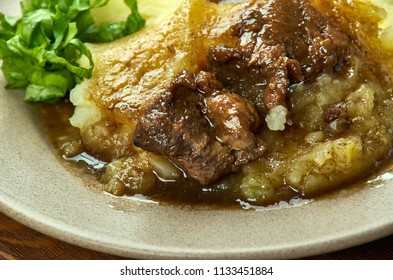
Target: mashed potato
x=306 y=159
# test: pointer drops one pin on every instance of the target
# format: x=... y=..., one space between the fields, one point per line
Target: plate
x=37 y=190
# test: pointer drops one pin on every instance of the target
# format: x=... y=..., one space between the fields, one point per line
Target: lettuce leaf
x=41 y=50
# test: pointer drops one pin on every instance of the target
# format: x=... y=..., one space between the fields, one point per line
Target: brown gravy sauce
x=185 y=192
x=59 y=131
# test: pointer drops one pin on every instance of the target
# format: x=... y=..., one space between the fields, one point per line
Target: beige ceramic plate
x=37 y=190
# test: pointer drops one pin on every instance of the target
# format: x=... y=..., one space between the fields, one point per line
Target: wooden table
x=20 y=242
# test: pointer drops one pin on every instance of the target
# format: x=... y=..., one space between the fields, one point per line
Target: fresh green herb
x=42 y=50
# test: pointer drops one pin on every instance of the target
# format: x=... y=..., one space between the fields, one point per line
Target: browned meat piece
x=205 y=124
x=335 y=111
x=282 y=43
x=276 y=69
x=207 y=83
x=178 y=125
x=173 y=126
x=234 y=118
x=302 y=31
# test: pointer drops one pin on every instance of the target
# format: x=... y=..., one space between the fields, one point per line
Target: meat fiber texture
x=132 y=72
x=305 y=160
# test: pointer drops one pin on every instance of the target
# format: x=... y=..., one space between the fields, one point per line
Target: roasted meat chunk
x=251 y=67
x=205 y=123
x=275 y=49
x=201 y=128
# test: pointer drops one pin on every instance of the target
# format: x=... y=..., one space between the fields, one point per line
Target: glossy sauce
x=282 y=145
x=218 y=196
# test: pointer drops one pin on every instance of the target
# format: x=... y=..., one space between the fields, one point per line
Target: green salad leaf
x=42 y=50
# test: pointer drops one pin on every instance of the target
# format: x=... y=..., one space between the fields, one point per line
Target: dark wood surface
x=18 y=242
